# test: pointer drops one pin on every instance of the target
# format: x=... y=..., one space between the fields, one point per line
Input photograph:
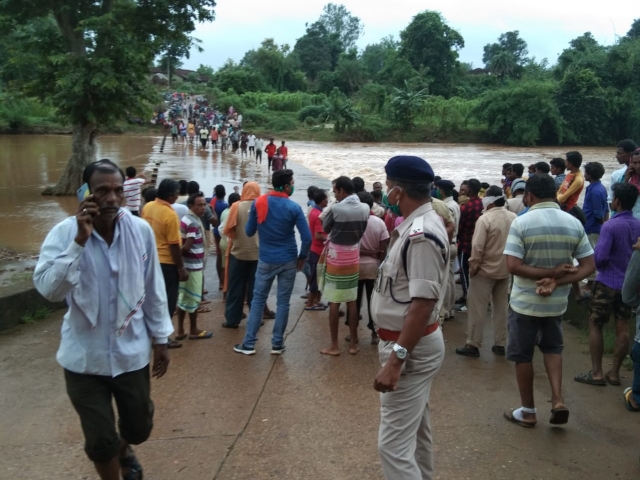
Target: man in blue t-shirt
x=595 y=207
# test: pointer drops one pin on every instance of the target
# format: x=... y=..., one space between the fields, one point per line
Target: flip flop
x=627 y=403
x=615 y=383
x=173 y=344
x=132 y=463
x=509 y=416
x=181 y=337
x=201 y=336
x=226 y=325
x=559 y=416
x=315 y=308
x=205 y=302
x=589 y=380
x=203 y=310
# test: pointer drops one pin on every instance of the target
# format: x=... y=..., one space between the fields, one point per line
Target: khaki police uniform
x=405 y=454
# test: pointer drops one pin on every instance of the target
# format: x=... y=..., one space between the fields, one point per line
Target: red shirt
x=270 y=149
x=284 y=151
x=469 y=214
x=315 y=225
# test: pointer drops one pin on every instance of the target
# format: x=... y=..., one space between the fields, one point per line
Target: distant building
x=179 y=75
x=479 y=71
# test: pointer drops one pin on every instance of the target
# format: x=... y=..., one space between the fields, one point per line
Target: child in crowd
x=557 y=170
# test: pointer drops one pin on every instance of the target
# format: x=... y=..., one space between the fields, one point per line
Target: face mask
x=293 y=189
x=397 y=204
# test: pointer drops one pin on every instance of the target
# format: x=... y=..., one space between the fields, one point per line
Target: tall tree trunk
x=83 y=152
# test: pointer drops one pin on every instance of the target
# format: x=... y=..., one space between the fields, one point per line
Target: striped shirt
x=131 y=189
x=545 y=237
x=191 y=227
x=346 y=221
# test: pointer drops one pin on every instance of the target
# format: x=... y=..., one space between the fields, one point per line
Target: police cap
x=407 y=168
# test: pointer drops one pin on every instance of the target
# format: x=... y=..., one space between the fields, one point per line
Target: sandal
x=132 y=463
x=203 y=310
x=509 y=416
x=202 y=335
x=316 y=308
x=181 y=337
x=559 y=415
x=589 y=380
x=226 y=325
x=173 y=344
x=627 y=402
x=611 y=381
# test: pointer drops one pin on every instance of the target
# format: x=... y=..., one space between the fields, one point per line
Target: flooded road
x=29 y=162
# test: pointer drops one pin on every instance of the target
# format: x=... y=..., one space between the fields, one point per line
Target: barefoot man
x=345 y=223
x=410 y=282
x=540 y=250
x=104 y=263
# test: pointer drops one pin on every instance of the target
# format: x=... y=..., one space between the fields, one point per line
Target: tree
x=338 y=20
x=634 y=31
x=406 y=104
x=318 y=50
x=508 y=56
x=428 y=42
x=94 y=65
x=339 y=109
x=349 y=73
x=240 y=79
x=172 y=59
x=585 y=107
x=272 y=62
x=522 y=113
x=376 y=55
x=583 y=52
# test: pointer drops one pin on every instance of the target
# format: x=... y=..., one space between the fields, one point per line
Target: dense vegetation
x=413 y=88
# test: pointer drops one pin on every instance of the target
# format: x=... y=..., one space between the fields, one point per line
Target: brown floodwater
x=29 y=162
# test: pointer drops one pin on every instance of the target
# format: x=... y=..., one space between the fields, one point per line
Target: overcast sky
x=546 y=25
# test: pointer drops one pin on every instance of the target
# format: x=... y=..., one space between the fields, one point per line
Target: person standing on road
x=446 y=188
x=104 y=263
x=624 y=152
x=612 y=255
x=540 y=250
x=632 y=177
x=165 y=224
x=274 y=216
x=470 y=211
x=193 y=252
x=259 y=145
x=204 y=136
x=270 y=150
x=573 y=184
x=132 y=188
x=344 y=222
x=251 y=141
x=631 y=296
x=284 y=151
x=243 y=256
x=410 y=282
x=489 y=277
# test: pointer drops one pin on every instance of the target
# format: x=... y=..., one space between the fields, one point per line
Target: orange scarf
x=250 y=191
x=262 y=204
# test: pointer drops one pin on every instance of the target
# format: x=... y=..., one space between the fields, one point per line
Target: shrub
x=310 y=111
x=310 y=121
x=282 y=124
x=254 y=118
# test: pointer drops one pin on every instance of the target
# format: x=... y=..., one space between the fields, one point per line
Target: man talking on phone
x=104 y=263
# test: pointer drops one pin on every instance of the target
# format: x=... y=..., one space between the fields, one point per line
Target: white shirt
x=180 y=209
x=132 y=188
x=259 y=144
x=617 y=176
x=252 y=140
x=454 y=208
x=99 y=351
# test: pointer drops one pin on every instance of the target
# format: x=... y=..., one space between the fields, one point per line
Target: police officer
x=410 y=283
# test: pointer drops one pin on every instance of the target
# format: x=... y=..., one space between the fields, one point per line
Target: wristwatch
x=401 y=352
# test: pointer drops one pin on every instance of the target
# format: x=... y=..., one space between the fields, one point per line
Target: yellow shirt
x=191 y=128
x=166 y=227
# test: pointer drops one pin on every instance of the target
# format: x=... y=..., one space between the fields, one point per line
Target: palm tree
x=340 y=109
x=406 y=105
x=503 y=64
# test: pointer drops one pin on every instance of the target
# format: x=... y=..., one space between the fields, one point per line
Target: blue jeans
x=635 y=356
x=265 y=274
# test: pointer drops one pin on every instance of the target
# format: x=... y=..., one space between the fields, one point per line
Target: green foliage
x=310 y=111
x=318 y=50
x=337 y=20
x=372 y=98
x=375 y=56
x=585 y=106
x=32 y=317
x=406 y=104
x=507 y=57
x=522 y=113
x=339 y=110
x=281 y=102
x=370 y=128
x=281 y=124
x=254 y=118
x=241 y=79
x=449 y=116
x=428 y=42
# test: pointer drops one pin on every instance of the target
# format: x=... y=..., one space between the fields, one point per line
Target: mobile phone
x=83 y=192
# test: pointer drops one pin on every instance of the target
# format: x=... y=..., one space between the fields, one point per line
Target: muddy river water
x=29 y=162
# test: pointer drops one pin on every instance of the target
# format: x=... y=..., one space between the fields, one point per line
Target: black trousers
x=368 y=284
x=92 y=396
x=242 y=275
x=171 y=283
x=463 y=259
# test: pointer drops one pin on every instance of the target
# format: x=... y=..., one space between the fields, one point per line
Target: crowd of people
x=520 y=249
